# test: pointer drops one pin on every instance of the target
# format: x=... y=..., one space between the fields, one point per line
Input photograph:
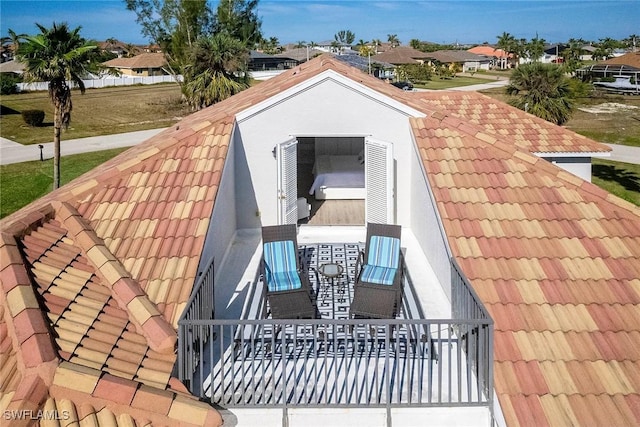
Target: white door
x=287 y=156
x=379 y=181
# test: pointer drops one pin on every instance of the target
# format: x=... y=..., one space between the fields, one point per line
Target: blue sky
x=470 y=21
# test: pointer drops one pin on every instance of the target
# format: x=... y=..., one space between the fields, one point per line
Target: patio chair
x=377 y=291
x=287 y=286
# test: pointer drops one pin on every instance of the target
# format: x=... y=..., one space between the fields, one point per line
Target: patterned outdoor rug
x=332 y=296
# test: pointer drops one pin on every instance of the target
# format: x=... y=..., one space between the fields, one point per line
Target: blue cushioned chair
x=378 y=286
x=287 y=286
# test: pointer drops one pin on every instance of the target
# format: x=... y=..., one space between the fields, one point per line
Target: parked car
x=403 y=85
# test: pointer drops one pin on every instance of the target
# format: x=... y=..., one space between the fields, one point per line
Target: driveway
x=624 y=153
x=12 y=152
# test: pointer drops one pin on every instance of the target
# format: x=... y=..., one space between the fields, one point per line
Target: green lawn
x=621 y=179
x=21 y=183
x=97 y=112
x=439 y=84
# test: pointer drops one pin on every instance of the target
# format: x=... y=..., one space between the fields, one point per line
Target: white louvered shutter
x=379 y=181
x=288 y=181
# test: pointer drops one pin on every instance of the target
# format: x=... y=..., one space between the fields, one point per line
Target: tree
x=535 y=49
x=217 y=70
x=376 y=43
x=393 y=40
x=11 y=43
x=542 y=90
x=632 y=42
x=57 y=55
x=571 y=56
x=174 y=25
x=238 y=19
x=343 y=38
x=508 y=43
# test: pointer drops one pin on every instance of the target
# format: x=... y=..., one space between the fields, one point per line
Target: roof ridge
x=82 y=384
x=159 y=334
x=521 y=155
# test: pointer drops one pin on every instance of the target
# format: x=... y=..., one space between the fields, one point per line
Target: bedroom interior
x=340 y=201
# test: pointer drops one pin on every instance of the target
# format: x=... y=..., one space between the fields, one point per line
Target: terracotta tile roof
x=70 y=301
x=502 y=120
x=631 y=58
x=401 y=55
x=143 y=60
x=554 y=259
x=116 y=251
x=489 y=51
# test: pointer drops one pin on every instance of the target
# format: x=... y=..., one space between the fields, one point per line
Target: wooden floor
x=328 y=212
x=336 y=212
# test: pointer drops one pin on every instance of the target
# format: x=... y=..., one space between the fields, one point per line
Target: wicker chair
x=287 y=286
x=378 y=286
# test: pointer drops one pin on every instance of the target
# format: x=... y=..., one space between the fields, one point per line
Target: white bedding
x=335 y=173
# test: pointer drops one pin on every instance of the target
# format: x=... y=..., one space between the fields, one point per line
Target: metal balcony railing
x=339 y=362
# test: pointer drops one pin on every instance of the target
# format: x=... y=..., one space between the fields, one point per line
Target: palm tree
x=542 y=90
x=393 y=40
x=508 y=43
x=57 y=55
x=376 y=43
x=12 y=42
x=535 y=49
x=217 y=70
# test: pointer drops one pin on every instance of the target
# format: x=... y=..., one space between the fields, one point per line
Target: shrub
x=33 y=117
x=8 y=83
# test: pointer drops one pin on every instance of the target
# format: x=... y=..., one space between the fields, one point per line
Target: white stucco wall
x=425 y=224
x=326 y=108
x=579 y=166
x=223 y=219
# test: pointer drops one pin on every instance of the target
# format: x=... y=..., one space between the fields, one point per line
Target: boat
x=622 y=84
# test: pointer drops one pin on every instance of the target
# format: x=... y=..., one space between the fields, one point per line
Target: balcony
x=434 y=359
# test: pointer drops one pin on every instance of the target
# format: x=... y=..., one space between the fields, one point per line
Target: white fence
x=106 y=82
x=130 y=81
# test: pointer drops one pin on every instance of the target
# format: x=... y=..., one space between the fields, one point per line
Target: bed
x=338 y=177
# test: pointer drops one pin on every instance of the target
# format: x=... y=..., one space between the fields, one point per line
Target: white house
x=524 y=275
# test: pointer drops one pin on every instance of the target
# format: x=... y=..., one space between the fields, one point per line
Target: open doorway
x=331 y=179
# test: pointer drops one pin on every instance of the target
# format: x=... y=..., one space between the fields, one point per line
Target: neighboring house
x=143 y=65
x=12 y=66
x=467 y=61
x=116 y=47
x=587 y=54
x=300 y=54
x=96 y=274
x=500 y=58
x=625 y=65
x=401 y=55
x=259 y=61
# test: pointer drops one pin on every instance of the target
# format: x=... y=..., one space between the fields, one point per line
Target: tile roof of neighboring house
x=553 y=257
x=400 y=55
x=446 y=56
x=631 y=58
x=489 y=51
x=300 y=54
x=144 y=60
x=12 y=66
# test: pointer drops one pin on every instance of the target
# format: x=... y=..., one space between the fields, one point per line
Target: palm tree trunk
x=57 y=126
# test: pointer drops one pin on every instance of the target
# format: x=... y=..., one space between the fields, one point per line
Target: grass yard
x=621 y=179
x=97 y=112
x=21 y=183
x=439 y=84
x=619 y=126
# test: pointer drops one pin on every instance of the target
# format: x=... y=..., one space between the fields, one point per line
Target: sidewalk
x=13 y=152
x=624 y=153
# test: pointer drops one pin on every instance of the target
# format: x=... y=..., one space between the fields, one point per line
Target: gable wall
x=326 y=109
